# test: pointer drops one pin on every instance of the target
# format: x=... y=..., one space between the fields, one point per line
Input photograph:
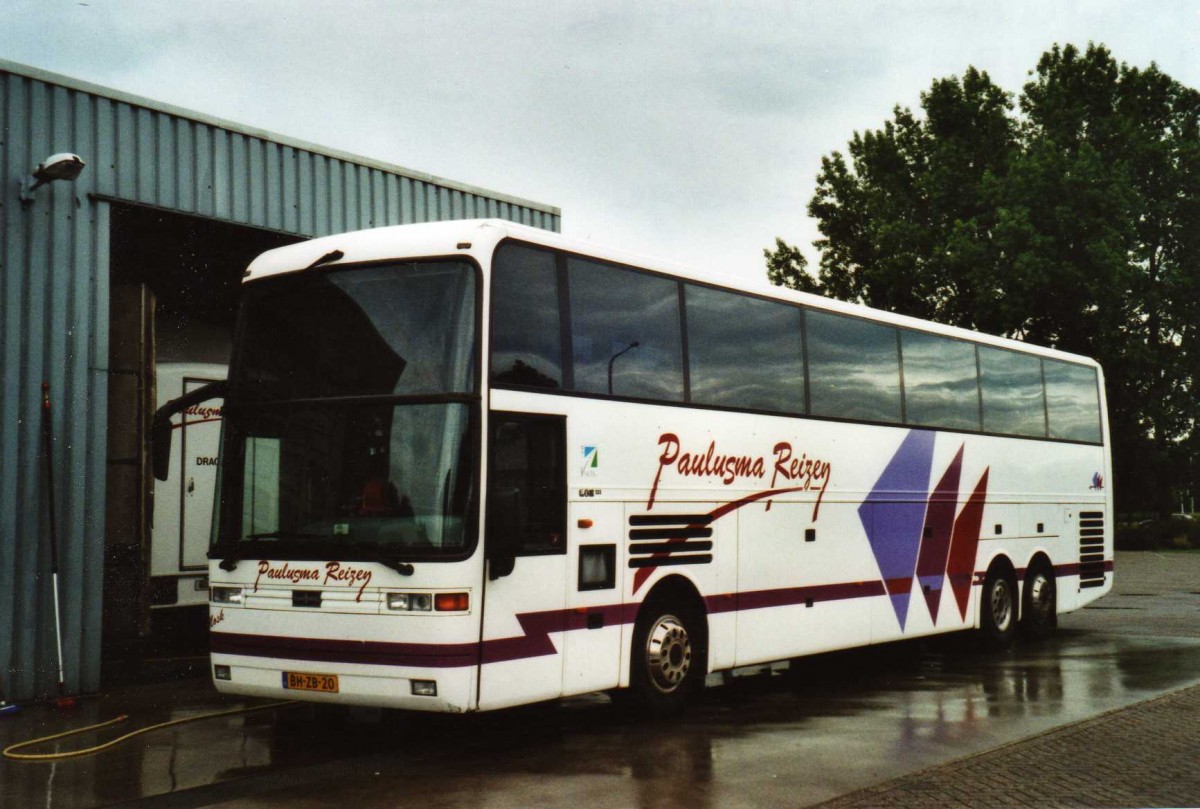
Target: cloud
x=690 y=130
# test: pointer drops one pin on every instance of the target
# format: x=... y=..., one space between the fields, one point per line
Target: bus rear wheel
x=667 y=662
x=998 y=608
x=1039 y=603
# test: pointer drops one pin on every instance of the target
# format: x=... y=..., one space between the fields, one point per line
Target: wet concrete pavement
x=837 y=724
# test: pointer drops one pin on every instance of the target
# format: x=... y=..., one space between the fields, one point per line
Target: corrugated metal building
x=149 y=167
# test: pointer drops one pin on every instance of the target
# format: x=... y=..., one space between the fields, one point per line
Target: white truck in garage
x=183 y=505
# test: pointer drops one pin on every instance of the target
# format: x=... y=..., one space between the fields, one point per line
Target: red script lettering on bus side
x=809 y=473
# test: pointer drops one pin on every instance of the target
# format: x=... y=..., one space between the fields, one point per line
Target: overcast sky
x=690 y=131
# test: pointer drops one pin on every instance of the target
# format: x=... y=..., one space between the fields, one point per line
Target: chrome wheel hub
x=668 y=653
x=1001 y=601
x=1041 y=597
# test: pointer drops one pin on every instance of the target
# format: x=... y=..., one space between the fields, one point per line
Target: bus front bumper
x=445 y=690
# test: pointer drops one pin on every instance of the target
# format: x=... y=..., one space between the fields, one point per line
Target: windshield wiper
x=403 y=568
x=368 y=553
x=374 y=554
x=332 y=255
x=231 y=558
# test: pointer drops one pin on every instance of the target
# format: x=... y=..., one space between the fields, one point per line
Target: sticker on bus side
x=591 y=461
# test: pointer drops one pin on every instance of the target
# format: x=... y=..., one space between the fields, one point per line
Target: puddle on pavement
x=834 y=723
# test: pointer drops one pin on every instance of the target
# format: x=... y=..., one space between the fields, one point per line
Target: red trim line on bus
x=193 y=423
x=324 y=650
x=1070 y=569
x=537 y=627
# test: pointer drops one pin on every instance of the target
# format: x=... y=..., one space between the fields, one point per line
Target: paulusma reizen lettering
x=803 y=472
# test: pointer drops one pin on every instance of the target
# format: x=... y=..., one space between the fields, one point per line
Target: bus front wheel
x=667 y=662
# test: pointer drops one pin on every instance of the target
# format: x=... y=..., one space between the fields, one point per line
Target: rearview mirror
x=160 y=447
x=504 y=531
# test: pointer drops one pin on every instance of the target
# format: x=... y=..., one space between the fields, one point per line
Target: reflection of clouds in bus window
x=1012 y=392
x=1073 y=401
x=853 y=368
x=744 y=352
x=425 y=451
x=941 y=384
x=407 y=328
x=613 y=308
x=526 y=344
x=422 y=312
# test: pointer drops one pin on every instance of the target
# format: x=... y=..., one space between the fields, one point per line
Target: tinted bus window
x=625 y=332
x=744 y=352
x=941 y=383
x=390 y=329
x=1072 y=401
x=526 y=342
x=527 y=460
x=853 y=368
x=1012 y=392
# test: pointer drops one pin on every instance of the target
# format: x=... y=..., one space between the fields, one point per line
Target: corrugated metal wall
x=54 y=272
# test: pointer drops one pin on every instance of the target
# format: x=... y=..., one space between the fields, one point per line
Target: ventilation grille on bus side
x=1091 y=549
x=671 y=539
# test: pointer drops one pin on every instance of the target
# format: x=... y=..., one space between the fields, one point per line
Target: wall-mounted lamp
x=61 y=166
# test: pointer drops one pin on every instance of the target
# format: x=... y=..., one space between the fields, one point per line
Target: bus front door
x=525 y=610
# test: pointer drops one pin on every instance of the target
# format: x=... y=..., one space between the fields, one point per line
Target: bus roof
x=478 y=238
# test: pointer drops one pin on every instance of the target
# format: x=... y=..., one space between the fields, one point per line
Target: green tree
x=1103 y=188
x=902 y=218
x=787 y=267
x=1070 y=220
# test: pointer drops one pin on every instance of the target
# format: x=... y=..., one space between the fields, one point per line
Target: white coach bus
x=470 y=465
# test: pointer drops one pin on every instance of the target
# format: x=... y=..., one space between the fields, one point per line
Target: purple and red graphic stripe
x=537 y=628
x=915 y=533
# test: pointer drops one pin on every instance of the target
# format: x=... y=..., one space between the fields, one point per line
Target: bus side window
x=528 y=455
x=1072 y=401
x=941 y=381
x=853 y=368
x=526 y=338
x=744 y=352
x=625 y=332
x=1013 y=397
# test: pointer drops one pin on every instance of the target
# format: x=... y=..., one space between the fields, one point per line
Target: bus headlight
x=409 y=602
x=225 y=595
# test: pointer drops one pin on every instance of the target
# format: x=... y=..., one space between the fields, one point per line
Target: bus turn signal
x=452 y=602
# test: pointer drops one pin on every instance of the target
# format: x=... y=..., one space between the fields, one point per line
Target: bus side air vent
x=660 y=540
x=1091 y=549
x=306 y=598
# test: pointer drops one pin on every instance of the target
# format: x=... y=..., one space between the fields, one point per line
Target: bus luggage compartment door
x=595 y=582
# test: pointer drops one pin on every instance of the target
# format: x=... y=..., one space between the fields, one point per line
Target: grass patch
x=1165 y=534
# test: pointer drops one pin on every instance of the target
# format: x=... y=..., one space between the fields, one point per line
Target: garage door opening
x=174 y=288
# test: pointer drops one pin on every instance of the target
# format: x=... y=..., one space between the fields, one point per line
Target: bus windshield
x=351 y=419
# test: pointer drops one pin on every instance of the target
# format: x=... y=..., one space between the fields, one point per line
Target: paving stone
x=1141 y=756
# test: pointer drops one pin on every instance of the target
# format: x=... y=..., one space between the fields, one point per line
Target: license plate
x=301 y=681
